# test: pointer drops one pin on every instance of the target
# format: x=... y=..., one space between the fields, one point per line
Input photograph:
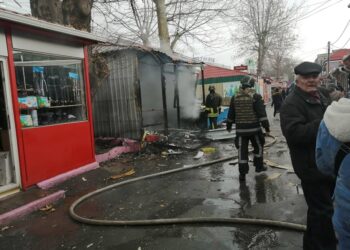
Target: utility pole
x=329 y=51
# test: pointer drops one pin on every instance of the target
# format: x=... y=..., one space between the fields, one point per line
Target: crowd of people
x=315 y=120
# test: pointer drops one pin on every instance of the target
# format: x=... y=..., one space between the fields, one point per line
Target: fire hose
x=198 y=220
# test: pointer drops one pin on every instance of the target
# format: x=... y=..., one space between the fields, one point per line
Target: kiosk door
x=9 y=173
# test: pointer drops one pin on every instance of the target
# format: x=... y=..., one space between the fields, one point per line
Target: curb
x=131 y=146
x=65 y=176
x=30 y=207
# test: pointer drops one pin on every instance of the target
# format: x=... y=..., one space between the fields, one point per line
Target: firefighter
x=247 y=111
x=213 y=107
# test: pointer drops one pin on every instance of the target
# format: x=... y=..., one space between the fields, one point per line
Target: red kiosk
x=45 y=107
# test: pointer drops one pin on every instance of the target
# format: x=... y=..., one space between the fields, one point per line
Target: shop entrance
x=9 y=179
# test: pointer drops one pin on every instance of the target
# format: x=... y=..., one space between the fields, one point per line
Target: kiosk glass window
x=50 y=89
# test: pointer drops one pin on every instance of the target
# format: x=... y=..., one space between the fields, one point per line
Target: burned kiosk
x=46 y=120
x=145 y=90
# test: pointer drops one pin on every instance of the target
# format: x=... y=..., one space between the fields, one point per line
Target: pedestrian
x=284 y=94
x=247 y=111
x=213 y=107
x=342 y=74
x=277 y=100
x=335 y=92
x=333 y=159
x=300 y=115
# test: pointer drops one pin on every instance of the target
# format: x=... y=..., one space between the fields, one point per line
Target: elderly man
x=300 y=116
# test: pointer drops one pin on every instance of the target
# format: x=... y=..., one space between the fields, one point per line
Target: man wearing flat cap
x=300 y=117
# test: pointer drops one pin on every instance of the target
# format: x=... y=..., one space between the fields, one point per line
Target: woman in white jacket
x=333 y=158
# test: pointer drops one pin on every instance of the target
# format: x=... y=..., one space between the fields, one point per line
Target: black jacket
x=213 y=103
x=277 y=100
x=300 y=116
x=247 y=111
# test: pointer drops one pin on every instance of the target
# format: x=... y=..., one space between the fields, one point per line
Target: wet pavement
x=212 y=191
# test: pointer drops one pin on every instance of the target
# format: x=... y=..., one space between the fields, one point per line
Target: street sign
x=242 y=67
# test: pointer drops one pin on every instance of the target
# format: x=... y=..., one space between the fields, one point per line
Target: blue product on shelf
x=28 y=102
x=26 y=121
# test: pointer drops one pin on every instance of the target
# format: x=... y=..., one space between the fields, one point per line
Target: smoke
x=151 y=92
x=190 y=106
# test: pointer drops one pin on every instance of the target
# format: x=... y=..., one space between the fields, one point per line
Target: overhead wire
x=346 y=26
x=314 y=12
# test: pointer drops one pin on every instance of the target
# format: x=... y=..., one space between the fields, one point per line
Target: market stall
x=46 y=120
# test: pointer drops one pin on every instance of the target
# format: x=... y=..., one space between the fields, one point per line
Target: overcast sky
x=325 y=22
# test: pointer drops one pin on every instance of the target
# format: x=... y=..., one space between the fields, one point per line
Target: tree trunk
x=50 y=11
x=162 y=26
x=77 y=13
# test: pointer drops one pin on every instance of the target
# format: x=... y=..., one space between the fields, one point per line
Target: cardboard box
x=26 y=121
x=43 y=102
x=5 y=169
x=28 y=102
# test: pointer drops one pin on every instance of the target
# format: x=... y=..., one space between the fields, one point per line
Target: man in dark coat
x=301 y=115
x=247 y=111
x=277 y=100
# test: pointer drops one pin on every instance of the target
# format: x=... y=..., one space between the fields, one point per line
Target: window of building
x=50 y=89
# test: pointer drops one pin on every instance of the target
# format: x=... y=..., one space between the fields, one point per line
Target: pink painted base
x=65 y=176
x=130 y=146
x=30 y=207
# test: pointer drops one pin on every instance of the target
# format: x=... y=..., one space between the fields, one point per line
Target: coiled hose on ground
x=204 y=220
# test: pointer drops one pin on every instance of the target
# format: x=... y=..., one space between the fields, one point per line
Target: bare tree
x=50 y=11
x=135 y=20
x=260 y=23
x=279 y=54
x=186 y=20
x=76 y=13
x=163 y=31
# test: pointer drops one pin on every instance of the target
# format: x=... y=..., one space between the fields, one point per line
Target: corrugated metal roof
x=30 y=21
x=211 y=71
x=337 y=55
x=123 y=44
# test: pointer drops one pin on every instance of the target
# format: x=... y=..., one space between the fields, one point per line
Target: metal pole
x=165 y=108
x=328 y=54
x=203 y=91
x=177 y=97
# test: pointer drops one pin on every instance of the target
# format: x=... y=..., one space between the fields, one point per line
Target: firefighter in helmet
x=213 y=107
x=247 y=111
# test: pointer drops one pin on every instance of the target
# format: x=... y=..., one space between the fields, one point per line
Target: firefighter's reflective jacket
x=247 y=111
x=213 y=104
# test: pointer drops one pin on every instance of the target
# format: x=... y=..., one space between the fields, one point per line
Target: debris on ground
x=90 y=245
x=5 y=228
x=208 y=150
x=84 y=179
x=275 y=165
x=234 y=162
x=173 y=152
x=48 y=208
x=118 y=176
x=198 y=155
x=273 y=176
